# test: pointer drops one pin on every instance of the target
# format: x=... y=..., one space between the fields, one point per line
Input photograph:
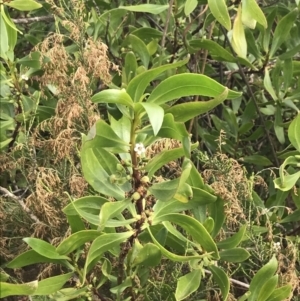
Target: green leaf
x=110 y=210
x=187 y=84
x=209 y=224
x=138 y=85
x=250 y=9
x=52 y=285
x=90 y=204
x=261 y=277
x=186 y=111
x=130 y=68
x=234 y=255
x=216 y=210
x=222 y=280
x=146 y=8
x=192 y=227
x=170 y=255
x=163 y=158
x=239 y=42
x=219 y=10
x=43 y=248
x=234 y=240
x=113 y=96
x=281 y=293
x=104 y=243
x=214 y=49
x=268 y=84
x=257 y=160
x=30 y=257
x=10 y=289
x=76 y=240
x=293 y=217
x=4 y=46
x=293 y=132
x=189 y=6
x=22 y=5
x=268 y=288
x=104 y=136
x=288 y=182
x=282 y=31
x=97 y=174
x=140 y=48
x=177 y=189
x=188 y=284
x=149 y=256
x=12 y=34
x=155 y=114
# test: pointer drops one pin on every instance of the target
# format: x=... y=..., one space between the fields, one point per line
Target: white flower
x=24 y=77
x=139 y=148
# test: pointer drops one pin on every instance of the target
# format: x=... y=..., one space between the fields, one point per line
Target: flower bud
x=136 y=196
x=145 y=180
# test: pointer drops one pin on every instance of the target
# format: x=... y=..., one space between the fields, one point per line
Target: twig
x=163 y=40
x=7 y=193
x=32 y=19
x=245 y=285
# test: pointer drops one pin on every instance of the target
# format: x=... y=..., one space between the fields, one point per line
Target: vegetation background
x=57 y=59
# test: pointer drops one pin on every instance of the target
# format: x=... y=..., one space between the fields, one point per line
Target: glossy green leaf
x=216 y=210
x=10 y=289
x=257 y=160
x=293 y=132
x=187 y=111
x=268 y=84
x=219 y=10
x=110 y=210
x=234 y=255
x=187 y=84
x=149 y=256
x=43 y=248
x=146 y=8
x=76 y=240
x=214 y=49
x=293 y=217
x=192 y=227
x=90 y=204
x=104 y=136
x=155 y=114
x=282 y=31
x=113 y=96
x=288 y=182
x=170 y=255
x=268 y=288
x=12 y=34
x=130 y=68
x=209 y=224
x=290 y=53
x=30 y=257
x=4 y=46
x=239 y=42
x=234 y=240
x=163 y=158
x=140 y=48
x=104 y=243
x=222 y=280
x=251 y=9
x=261 y=277
x=138 y=85
x=188 y=284
x=189 y=6
x=22 y=5
x=51 y=285
x=281 y=293
x=97 y=175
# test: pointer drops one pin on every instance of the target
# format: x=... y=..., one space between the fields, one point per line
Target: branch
x=7 y=193
x=245 y=285
x=32 y=19
x=163 y=40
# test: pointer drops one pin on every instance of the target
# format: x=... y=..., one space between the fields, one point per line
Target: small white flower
x=139 y=148
x=24 y=77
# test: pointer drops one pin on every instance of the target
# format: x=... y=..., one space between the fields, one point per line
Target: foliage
x=153 y=158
